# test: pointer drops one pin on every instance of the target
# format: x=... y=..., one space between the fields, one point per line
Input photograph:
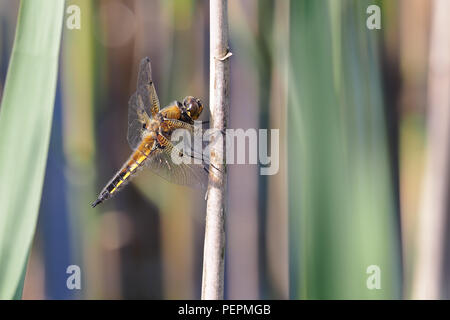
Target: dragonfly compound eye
x=193 y=107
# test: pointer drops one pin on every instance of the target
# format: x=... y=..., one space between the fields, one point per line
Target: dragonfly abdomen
x=123 y=176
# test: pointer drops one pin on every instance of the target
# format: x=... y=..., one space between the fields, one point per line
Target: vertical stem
x=214 y=247
x=428 y=273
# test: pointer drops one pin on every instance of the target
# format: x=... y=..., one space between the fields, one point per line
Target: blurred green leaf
x=341 y=207
x=25 y=124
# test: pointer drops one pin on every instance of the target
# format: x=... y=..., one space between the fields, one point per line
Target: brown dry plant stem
x=214 y=247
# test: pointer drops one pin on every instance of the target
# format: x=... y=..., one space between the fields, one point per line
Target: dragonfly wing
x=143 y=104
x=187 y=173
x=138 y=120
x=146 y=88
x=194 y=140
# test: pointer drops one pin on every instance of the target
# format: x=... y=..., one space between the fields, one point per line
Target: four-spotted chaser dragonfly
x=149 y=133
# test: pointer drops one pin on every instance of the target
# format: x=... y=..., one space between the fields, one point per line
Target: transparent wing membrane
x=189 y=139
x=146 y=88
x=188 y=174
x=138 y=118
x=142 y=105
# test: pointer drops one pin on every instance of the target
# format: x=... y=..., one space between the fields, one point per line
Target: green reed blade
x=25 y=124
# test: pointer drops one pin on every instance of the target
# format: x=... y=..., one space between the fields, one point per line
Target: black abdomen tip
x=96 y=202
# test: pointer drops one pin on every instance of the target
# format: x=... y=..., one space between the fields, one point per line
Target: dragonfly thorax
x=154 y=125
x=151 y=134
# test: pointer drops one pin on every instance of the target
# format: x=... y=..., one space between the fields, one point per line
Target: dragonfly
x=149 y=136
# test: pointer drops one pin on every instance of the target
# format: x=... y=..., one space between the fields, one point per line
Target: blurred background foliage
x=342 y=201
x=350 y=104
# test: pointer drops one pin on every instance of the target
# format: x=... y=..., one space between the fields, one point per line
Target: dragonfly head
x=193 y=107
